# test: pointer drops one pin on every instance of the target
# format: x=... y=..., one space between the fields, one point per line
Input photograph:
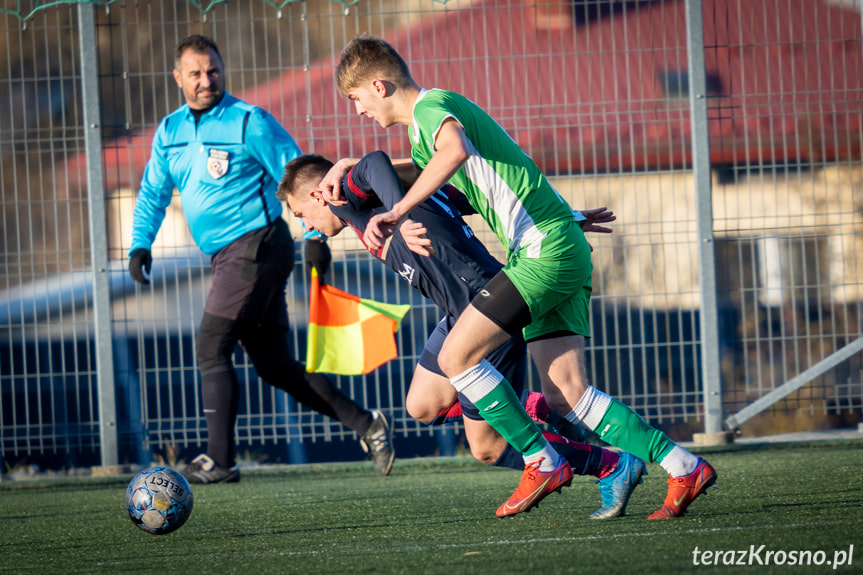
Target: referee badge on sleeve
x=217 y=163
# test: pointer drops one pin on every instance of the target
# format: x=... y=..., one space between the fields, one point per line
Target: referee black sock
x=219 y=391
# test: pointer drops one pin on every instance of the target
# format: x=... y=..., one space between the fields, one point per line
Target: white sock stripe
x=583 y=406
x=478 y=381
x=591 y=408
x=601 y=403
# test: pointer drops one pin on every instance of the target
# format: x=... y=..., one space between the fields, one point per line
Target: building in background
x=598 y=94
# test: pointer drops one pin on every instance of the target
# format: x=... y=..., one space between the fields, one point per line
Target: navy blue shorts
x=510 y=360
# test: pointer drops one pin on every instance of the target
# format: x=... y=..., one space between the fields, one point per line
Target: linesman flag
x=349 y=335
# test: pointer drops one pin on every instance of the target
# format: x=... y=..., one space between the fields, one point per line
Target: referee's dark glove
x=318 y=256
x=140 y=261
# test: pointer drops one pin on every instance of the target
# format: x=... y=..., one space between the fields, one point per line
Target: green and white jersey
x=501 y=182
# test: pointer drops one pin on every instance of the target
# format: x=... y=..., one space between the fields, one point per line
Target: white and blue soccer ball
x=159 y=500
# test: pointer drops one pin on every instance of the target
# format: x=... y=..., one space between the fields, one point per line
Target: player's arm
x=371 y=183
x=154 y=197
x=375 y=182
x=331 y=184
x=451 y=152
x=269 y=143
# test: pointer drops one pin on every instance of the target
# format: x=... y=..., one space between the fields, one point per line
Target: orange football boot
x=534 y=486
x=683 y=490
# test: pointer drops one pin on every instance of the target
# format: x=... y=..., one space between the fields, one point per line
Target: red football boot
x=534 y=486
x=683 y=490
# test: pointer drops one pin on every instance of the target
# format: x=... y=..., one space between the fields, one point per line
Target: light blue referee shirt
x=226 y=169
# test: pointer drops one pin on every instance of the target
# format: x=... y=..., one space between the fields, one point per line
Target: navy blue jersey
x=460 y=265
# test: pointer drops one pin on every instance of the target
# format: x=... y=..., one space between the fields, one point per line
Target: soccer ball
x=159 y=500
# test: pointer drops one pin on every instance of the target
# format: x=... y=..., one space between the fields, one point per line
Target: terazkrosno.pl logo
x=761 y=555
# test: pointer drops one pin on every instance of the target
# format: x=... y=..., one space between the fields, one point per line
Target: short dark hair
x=366 y=56
x=198 y=44
x=302 y=171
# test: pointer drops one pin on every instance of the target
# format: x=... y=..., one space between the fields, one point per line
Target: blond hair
x=366 y=57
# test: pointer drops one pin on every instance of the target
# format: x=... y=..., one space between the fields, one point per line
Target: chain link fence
x=600 y=93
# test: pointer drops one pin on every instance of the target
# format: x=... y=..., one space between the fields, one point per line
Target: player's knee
x=271 y=368
x=456 y=357
x=210 y=360
x=487 y=454
x=419 y=409
x=214 y=348
x=266 y=373
x=451 y=361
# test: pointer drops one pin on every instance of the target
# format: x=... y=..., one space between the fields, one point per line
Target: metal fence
x=725 y=134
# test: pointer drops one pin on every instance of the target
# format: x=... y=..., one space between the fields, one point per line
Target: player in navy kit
x=457 y=269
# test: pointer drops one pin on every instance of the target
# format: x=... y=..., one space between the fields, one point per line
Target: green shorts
x=557 y=285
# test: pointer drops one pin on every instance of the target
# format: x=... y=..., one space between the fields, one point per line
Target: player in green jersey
x=543 y=290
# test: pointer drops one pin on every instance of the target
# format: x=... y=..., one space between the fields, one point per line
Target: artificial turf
x=437 y=516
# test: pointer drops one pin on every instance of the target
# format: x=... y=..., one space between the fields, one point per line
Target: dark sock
x=510 y=458
x=610 y=459
x=219 y=392
x=583 y=458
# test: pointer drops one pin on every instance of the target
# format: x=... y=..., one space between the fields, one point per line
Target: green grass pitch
x=437 y=516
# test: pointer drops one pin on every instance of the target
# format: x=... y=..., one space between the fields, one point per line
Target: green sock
x=503 y=411
x=625 y=429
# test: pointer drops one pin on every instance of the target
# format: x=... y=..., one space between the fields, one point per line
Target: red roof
x=587 y=98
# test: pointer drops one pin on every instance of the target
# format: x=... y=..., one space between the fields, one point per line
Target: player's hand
x=414 y=234
x=331 y=185
x=140 y=261
x=318 y=256
x=379 y=228
x=595 y=217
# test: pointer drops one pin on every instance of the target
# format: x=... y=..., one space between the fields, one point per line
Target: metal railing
x=725 y=134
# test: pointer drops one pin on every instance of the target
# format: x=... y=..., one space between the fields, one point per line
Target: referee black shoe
x=377 y=442
x=203 y=470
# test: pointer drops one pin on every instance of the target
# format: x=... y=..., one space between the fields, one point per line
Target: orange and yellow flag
x=349 y=335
